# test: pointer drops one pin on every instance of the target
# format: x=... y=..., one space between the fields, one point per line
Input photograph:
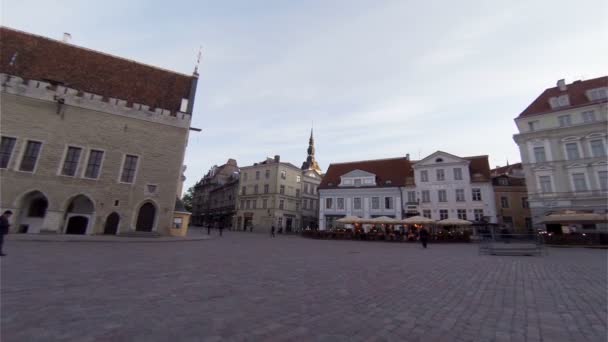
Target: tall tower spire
x=311 y=163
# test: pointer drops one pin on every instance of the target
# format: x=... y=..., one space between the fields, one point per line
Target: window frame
x=574 y=181
x=602 y=144
x=12 y=151
x=22 y=155
x=578 y=150
x=439 y=172
x=442 y=195
x=544 y=154
x=424 y=176
x=428 y=197
x=566 y=122
x=476 y=191
x=504 y=202
x=122 y=166
x=457 y=175
x=377 y=198
x=86 y=164
x=461 y=191
x=360 y=207
x=64 y=159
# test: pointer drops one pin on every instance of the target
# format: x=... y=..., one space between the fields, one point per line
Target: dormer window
x=358 y=182
x=559 y=101
x=438 y=160
x=597 y=94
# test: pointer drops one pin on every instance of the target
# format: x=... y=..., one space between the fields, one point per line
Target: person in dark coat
x=221 y=228
x=272 y=231
x=251 y=228
x=208 y=229
x=424 y=236
x=4 y=226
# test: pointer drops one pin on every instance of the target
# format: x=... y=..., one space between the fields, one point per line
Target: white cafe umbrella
x=454 y=222
x=417 y=220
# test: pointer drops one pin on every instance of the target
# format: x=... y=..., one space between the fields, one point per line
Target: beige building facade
x=89 y=150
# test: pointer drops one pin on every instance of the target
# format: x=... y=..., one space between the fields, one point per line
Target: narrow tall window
x=281 y=204
x=30 y=156
x=458 y=173
x=129 y=169
x=266 y=188
x=443 y=214
x=297 y=192
x=257 y=175
x=459 y=195
x=572 y=151
x=426 y=196
x=539 y=154
x=282 y=190
x=340 y=202
x=70 y=163
x=283 y=174
x=462 y=214
x=603 y=179
x=478 y=213
x=443 y=196
x=375 y=202
x=267 y=174
x=440 y=175
x=504 y=201
x=388 y=203
x=357 y=203
x=255 y=189
x=579 y=181
x=597 y=148
x=329 y=203
x=424 y=176
x=411 y=196
x=94 y=164
x=244 y=190
x=545 y=184
x=6 y=151
x=476 y=194
x=524 y=203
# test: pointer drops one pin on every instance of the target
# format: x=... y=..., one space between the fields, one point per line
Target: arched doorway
x=78 y=215
x=111 y=226
x=33 y=212
x=146 y=217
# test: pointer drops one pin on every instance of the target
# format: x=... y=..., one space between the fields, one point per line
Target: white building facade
x=447 y=186
x=562 y=142
x=365 y=189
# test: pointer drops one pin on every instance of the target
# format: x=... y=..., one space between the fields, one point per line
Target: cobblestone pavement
x=249 y=287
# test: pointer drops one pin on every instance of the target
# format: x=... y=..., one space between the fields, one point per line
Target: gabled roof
x=35 y=57
x=393 y=170
x=576 y=92
x=435 y=154
x=358 y=173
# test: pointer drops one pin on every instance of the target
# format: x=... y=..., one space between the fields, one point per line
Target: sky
x=376 y=79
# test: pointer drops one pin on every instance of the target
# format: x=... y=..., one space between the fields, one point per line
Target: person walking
x=424 y=236
x=221 y=228
x=251 y=228
x=4 y=226
x=208 y=229
x=272 y=231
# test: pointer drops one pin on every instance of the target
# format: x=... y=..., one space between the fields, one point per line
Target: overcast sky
x=378 y=78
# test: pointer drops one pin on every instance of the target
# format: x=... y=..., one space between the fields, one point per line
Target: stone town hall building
x=91 y=143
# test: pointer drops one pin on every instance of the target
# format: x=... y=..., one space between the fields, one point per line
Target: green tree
x=187 y=199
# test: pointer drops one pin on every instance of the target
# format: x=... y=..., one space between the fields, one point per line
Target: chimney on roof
x=561 y=84
x=66 y=37
x=277 y=158
x=407 y=156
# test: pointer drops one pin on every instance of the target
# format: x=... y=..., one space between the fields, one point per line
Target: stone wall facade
x=59 y=118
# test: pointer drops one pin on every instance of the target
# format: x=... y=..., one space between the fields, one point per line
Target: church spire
x=311 y=163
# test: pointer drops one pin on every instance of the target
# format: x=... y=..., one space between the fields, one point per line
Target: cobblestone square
x=250 y=287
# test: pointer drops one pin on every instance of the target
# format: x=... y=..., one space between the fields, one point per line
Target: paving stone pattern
x=250 y=287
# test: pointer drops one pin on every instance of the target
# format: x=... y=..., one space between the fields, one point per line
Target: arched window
x=38 y=207
x=145 y=217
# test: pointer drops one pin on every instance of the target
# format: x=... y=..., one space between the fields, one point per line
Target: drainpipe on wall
x=401 y=200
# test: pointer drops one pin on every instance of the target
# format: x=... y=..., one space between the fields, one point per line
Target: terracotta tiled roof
x=479 y=168
x=576 y=92
x=394 y=170
x=35 y=57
